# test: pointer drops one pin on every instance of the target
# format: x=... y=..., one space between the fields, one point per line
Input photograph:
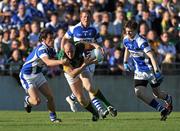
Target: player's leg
x=77 y=89
x=164 y=96
x=46 y=91
x=87 y=84
x=32 y=98
x=71 y=99
x=140 y=91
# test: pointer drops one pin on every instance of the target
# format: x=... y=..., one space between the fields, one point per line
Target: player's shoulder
x=140 y=39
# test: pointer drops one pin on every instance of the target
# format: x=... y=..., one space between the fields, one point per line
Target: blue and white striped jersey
x=33 y=63
x=80 y=33
x=138 y=47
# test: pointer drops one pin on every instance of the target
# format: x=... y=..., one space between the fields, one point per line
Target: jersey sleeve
x=42 y=53
x=69 y=33
x=145 y=47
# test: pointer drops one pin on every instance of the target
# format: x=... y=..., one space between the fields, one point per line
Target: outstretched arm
x=50 y=62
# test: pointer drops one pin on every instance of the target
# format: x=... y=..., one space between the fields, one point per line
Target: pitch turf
x=81 y=121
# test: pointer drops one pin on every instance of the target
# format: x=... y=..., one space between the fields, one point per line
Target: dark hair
x=131 y=24
x=44 y=33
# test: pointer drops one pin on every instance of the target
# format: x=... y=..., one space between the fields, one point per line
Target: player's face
x=130 y=33
x=70 y=51
x=49 y=40
x=85 y=19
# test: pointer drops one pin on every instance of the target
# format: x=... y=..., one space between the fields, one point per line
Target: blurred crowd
x=22 y=20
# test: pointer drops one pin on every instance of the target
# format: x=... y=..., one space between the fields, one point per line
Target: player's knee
x=138 y=92
x=36 y=101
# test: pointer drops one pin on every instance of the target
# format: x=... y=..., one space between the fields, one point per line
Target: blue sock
x=96 y=103
x=156 y=105
x=168 y=99
x=72 y=97
x=26 y=100
x=52 y=116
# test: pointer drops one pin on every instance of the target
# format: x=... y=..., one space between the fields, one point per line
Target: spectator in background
x=106 y=19
x=34 y=13
x=104 y=31
x=54 y=24
x=119 y=23
x=143 y=28
x=13 y=34
x=21 y=17
x=166 y=49
x=4 y=9
x=140 y=8
x=3 y=60
x=4 y=46
x=178 y=46
x=13 y=7
x=15 y=62
x=165 y=23
x=146 y=18
x=46 y=8
x=57 y=42
x=97 y=20
x=151 y=7
x=116 y=62
x=34 y=36
x=6 y=36
x=14 y=45
x=153 y=40
x=108 y=49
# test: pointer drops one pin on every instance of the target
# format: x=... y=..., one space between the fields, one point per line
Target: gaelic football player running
x=32 y=79
x=78 y=77
x=146 y=70
x=84 y=31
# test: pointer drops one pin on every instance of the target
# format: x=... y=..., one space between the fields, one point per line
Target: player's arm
x=126 y=55
x=50 y=62
x=68 y=35
x=76 y=71
x=153 y=61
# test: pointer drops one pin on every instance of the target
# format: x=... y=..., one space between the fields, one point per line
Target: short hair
x=131 y=24
x=85 y=11
x=44 y=33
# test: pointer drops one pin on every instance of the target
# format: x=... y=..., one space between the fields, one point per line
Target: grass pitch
x=81 y=121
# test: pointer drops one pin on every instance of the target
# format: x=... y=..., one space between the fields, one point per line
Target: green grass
x=81 y=121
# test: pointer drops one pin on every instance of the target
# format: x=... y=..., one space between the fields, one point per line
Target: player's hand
x=127 y=67
x=159 y=77
x=89 y=60
x=65 y=61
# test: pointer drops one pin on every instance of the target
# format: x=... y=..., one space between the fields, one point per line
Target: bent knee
x=138 y=92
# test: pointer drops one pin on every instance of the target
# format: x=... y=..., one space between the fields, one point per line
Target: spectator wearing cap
x=21 y=17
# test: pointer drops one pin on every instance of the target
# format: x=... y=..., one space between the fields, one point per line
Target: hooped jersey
x=34 y=63
x=138 y=47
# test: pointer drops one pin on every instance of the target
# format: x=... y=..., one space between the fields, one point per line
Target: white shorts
x=35 y=80
x=149 y=75
x=71 y=80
